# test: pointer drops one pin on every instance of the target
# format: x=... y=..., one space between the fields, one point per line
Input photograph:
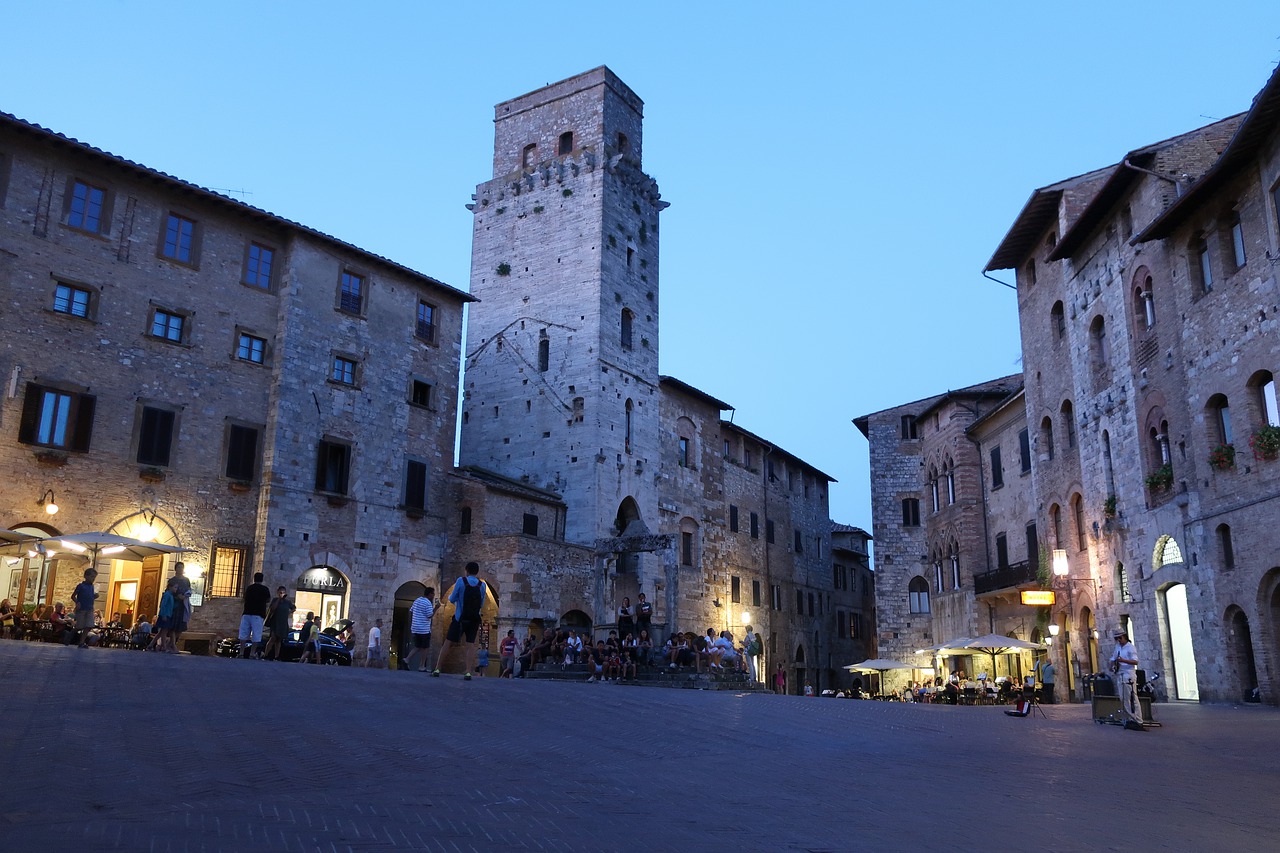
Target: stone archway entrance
x=1178 y=624
x=400 y=618
x=1242 y=666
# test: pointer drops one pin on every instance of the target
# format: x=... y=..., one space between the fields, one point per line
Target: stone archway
x=1241 y=665
x=401 y=636
x=1177 y=619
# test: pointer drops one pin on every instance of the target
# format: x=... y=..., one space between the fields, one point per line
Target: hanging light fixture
x=49 y=504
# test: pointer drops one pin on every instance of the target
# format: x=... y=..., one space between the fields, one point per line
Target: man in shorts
x=257 y=597
x=83 y=596
x=420 y=613
x=468 y=601
x=375 y=658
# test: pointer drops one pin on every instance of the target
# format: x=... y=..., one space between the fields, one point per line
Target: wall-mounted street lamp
x=1060 y=566
x=49 y=504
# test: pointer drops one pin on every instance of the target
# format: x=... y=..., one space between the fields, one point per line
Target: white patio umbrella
x=879 y=666
x=13 y=542
x=93 y=545
x=994 y=644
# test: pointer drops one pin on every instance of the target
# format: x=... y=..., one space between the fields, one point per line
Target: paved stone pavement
x=107 y=749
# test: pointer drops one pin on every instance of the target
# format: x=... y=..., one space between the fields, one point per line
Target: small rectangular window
x=351 y=294
x=1002 y=551
x=242 y=453
x=251 y=348
x=86 y=207
x=755 y=526
x=415 y=485
x=1201 y=265
x=1237 y=242
x=73 y=300
x=682 y=457
x=855 y=626
x=155 y=436
x=179 y=239
x=227 y=574
x=343 y=371
x=426 y=325
x=333 y=466
x=259 y=261
x=733 y=518
x=420 y=394
x=464 y=522
x=800 y=602
x=735 y=589
x=755 y=593
x=909 y=428
x=910 y=512
x=1024 y=450
x=797 y=541
x=768 y=530
x=55 y=418
x=167 y=326
x=530 y=524
x=997 y=469
x=686 y=548
x=811 y=609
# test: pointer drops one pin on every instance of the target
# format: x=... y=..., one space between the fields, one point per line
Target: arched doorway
x=1243 y=668
x=798 y=684
x=576 y=620
x=134 y=587
x=29 y=573
x=1089 y=627
x=406 y=594
x=1178 y=625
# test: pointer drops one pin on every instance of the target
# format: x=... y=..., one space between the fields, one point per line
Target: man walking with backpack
x=467 y=598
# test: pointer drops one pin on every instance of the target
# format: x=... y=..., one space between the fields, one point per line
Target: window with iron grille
x=229 y=565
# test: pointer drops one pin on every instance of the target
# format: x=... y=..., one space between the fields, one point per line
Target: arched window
x=624 y=144
x=1108 y=471
x=1144 y=307
x=1263 y=386
x=950 y=468
x=627 y=438
x=1029 y=272
x=1069 y=423
x=953 y=556
x=1158 y=438
x=1055 y=526
x=464 y=525
x=689 y=544
x=1225 y=548
x=937 y=573
x=1077 y=512
x=1058 y=321
x=1099 y=350
x=529 y=156
x=918 y=595
x=1166 y=552
x=933 y=486
x=1046 y=437
x=544 y=355
x=566 y=142
x=1122 y=585
x=1218 y=418
x=628 y=320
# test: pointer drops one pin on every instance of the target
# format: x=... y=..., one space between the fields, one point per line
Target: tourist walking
x=467 y=598
x=375 y=657
x=83 y=596
x=780 y=681
x=257 y=598
x=279 y=620
x=310 y=638
x=421 y=612
x=508 y=654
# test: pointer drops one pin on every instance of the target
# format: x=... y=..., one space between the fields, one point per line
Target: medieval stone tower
x=561 y=382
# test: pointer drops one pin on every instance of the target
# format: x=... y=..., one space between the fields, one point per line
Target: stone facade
x=1147 y=295
x=184 y=364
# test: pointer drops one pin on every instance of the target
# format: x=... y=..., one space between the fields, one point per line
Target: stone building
x=1147 y=300
x=200 y=372
x=562 y=394
x=929 y=491
x=275 y=399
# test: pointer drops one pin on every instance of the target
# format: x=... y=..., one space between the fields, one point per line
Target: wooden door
x=149 y=588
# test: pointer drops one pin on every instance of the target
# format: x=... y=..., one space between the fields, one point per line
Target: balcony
x=1007 y=577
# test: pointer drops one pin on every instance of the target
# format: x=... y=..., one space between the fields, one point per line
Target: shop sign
x=1039 y=597
x=322 y=579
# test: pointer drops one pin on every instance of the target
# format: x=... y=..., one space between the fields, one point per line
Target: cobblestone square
x=117 y=750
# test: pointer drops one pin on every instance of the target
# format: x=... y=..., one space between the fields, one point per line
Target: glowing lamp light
x=1060 y=566
x=146 y=533
x=74 y=546
x=1048 y=641
x=1054 y=629
x=746 y=617
x=113 y=549
x=49 y=504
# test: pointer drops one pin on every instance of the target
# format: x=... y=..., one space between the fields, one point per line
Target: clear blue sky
x=839 y=173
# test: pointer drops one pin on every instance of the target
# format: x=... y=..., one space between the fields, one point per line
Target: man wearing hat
x=1124 y=663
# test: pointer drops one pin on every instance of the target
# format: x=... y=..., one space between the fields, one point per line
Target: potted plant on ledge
x=1265 y=442
x=1223 y=457
x=1161 y=478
